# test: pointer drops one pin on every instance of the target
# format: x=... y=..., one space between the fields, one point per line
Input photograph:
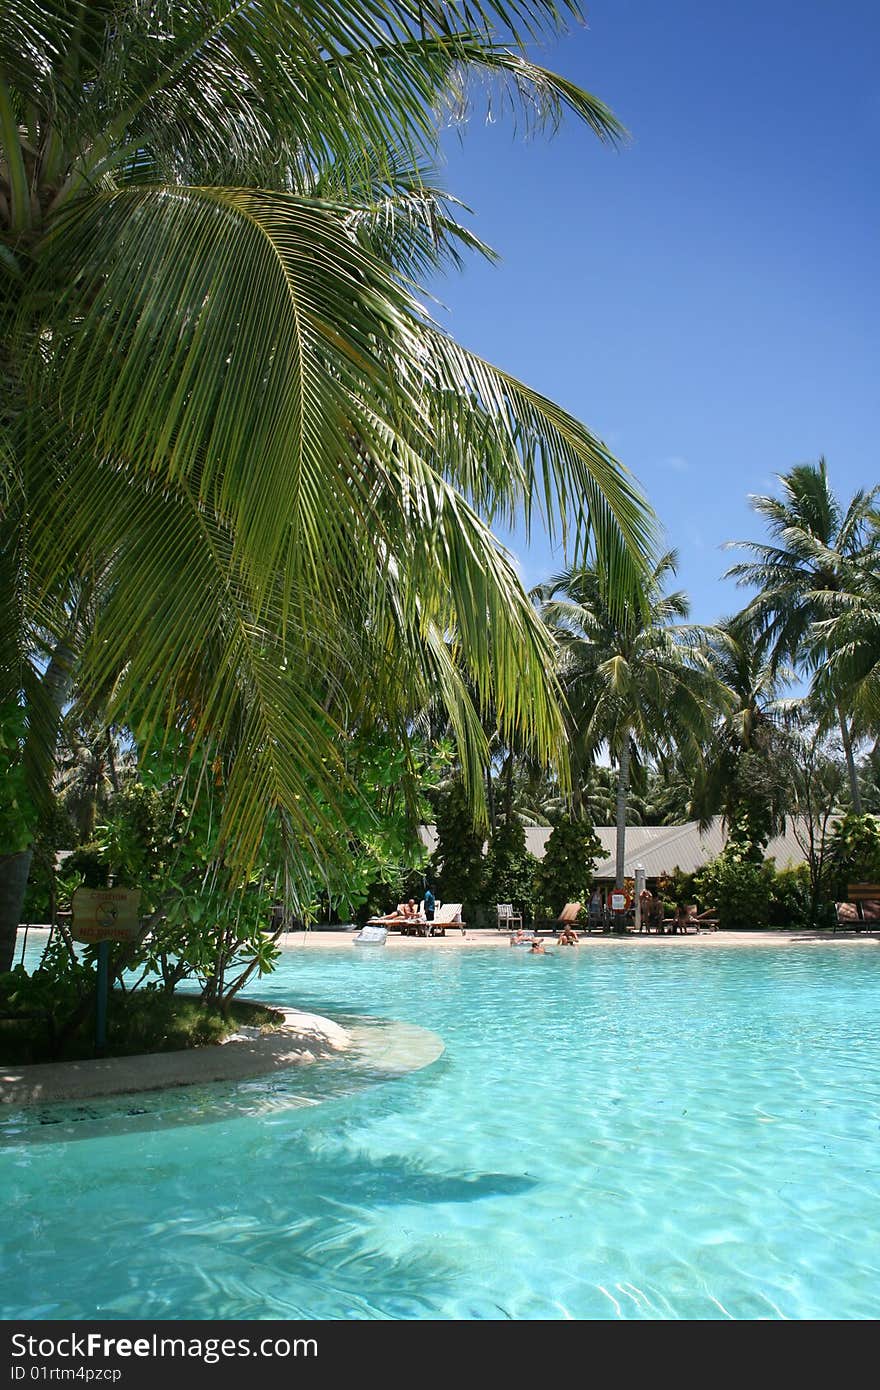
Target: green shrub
x=41 y=1011
x=91 y=863
x=678 y=887
x=739 y=889
x=565 y=873
x=457 y=862
x=790 y=898
x=510 y=870
x=51 y=1015
x=853 y=854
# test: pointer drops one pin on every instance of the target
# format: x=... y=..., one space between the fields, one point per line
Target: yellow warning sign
x=106 y=914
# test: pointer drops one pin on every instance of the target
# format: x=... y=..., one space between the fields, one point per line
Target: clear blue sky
x=706 y=299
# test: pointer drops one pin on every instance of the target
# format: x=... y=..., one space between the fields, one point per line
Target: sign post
x=101 y=997
x=618 y=908
x=102 y=915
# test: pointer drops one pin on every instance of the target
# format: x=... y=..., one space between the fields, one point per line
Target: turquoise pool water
x=620 y=1132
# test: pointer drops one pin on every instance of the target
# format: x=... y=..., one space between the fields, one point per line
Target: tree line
x=252 y=614
x=755 y=719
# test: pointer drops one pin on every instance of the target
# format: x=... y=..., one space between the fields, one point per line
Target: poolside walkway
x=340 y=939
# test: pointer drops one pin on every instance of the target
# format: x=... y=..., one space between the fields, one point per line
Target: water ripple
x=617 y=1134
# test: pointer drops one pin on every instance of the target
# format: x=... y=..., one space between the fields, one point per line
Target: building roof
x=688 y=848
x=657 y=848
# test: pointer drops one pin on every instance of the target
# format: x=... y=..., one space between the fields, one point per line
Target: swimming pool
x=611 y=1132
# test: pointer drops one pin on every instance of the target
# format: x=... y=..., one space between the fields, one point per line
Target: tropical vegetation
x=636 y=679
x=814 y=567
x=255 y=627
x=246 y=481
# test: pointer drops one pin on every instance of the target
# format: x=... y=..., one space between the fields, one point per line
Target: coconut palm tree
x=813 y=555
x=226 y=412
x=849 y=634
x=744 y=772
x=91 y=764
x=635 y=677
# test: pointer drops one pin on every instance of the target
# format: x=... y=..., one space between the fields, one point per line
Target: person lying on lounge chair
x=404 y=912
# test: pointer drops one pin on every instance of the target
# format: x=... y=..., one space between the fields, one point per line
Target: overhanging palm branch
x=228 y=404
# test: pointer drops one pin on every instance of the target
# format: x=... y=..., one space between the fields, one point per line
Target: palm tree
x=91 y=762
x=634 y=677
x=744 y=771
x=850 y=635
x=668 y=791
x=226 y=410
x=812 y=556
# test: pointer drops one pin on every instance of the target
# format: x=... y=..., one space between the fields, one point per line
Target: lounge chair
x=861 y=911
x=506 y=918
x=846 y=917
x=707 y=920
x=567 y=918
x=449 y=915
x=397 y=918
x=870 y=920
x=673 y=925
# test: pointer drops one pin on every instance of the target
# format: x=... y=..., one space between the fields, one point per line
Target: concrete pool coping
x=302 y=1038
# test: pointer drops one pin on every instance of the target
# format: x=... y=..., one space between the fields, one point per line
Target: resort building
x=659 y=849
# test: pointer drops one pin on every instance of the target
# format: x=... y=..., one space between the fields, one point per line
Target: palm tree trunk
x=622 y=791
x=15 y=868
x=846 y=739
x=111 y=761
x=577 y=785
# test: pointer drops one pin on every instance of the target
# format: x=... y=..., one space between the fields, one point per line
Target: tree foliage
x=564 y=874
x=457 y=862
x=240 y=466
x=509 y=870
x=853 y=853
x=634 y=676
x=745 y=773
x=810 y=570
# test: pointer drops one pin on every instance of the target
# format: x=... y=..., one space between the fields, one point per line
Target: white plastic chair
x=507 y=917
